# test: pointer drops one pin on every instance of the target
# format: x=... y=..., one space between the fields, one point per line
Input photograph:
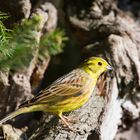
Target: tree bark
x=100 y=29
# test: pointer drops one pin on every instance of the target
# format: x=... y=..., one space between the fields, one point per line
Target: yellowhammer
x=67 y=93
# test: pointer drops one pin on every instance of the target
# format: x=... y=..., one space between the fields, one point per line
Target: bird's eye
x=100 y=63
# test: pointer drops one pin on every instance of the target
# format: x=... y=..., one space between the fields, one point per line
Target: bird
x=67 y=93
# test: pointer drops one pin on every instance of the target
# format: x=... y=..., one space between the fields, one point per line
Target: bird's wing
x=70 y=85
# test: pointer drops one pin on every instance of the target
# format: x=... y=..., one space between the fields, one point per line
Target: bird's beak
x=109 y=67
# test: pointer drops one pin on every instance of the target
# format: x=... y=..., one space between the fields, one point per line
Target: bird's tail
x=20 y=111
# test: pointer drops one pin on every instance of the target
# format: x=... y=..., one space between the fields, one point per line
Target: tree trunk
x=100 y=29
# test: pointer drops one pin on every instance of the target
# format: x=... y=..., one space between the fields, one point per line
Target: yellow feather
x=67 y=93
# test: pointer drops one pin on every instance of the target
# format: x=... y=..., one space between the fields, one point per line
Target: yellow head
x=95 y=66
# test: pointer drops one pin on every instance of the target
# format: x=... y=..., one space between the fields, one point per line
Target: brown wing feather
x=70 y=85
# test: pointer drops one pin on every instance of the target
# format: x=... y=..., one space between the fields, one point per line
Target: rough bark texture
x=100 y=29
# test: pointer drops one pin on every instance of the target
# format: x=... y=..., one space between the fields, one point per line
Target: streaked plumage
x=67 y=93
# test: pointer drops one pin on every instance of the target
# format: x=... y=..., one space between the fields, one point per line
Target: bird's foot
x=66 y=122
x=70 y=120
